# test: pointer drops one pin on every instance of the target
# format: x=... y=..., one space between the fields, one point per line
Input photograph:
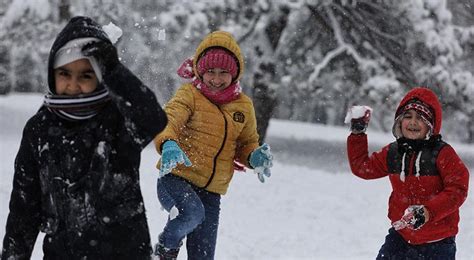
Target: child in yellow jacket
x=211 y=123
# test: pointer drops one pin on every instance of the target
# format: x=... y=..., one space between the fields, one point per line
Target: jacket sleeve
x=247 y=141
x=143 y=115
x=363 y=165
x=455 y=177
x=24 y=218
x=178 y=110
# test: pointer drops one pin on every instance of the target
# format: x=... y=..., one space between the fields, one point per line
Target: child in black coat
x=77 y=171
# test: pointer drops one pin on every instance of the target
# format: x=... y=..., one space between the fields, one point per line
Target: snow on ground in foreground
x=301 y=212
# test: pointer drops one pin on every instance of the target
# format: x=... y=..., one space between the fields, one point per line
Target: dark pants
x=396 y=248
x=197 y=220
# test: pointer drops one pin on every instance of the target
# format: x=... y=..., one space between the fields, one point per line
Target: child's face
x=217 y=79
x=413 y=126
x=77 y=77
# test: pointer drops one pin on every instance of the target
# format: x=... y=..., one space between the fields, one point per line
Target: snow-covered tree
x=305 y=60
x=320 y=57
x=443 y=67
x=26 y=32
x=332 y=54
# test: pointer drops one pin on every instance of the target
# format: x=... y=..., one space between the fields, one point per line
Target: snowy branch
x=342 y=47
x=250 y=30
x=329 y=56
x=357 y=18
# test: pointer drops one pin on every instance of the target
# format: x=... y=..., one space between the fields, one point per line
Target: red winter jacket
x=442 y=194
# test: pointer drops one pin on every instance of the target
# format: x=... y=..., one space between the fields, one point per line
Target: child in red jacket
x=429 y=180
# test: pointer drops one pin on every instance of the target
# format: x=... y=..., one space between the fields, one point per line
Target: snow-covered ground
x=311 y=208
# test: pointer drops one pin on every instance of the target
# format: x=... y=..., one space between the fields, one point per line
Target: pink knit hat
x=217 y=58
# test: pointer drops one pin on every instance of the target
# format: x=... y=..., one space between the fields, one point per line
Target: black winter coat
x=78 y=182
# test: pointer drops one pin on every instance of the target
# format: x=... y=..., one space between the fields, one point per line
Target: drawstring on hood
x=402 y=174
x=417 y=165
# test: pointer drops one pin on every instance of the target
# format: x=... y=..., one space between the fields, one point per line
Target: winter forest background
x=305 y=60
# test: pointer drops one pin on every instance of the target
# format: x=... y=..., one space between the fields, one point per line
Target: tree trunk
x=264 y=95
x=264 y=99
x=5 y=83
x=470 y=131
x=64 y=13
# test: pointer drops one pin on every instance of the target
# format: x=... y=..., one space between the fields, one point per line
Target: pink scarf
x=219 y=97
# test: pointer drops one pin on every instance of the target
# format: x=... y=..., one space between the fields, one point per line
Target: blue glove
x=261 y=159
x=171 y=156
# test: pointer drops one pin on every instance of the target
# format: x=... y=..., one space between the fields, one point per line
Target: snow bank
x=298 y=213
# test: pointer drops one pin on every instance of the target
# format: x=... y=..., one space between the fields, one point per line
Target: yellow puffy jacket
x=211 y=136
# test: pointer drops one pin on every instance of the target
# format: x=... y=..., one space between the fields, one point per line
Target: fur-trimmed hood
x=428 y=97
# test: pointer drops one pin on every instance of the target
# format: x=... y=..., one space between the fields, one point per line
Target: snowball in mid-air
x=113 y=31
x=161 y=35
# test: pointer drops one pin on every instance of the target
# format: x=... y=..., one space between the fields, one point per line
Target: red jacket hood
x=428 y=97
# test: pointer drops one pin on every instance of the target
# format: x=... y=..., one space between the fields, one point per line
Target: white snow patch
x=299 y=213
x=101 y=148
x=174 y=212
x=161 y=34
x=44 y=148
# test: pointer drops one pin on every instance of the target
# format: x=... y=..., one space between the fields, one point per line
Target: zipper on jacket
x=411 y=171
x=411 y=165
x=219 y=152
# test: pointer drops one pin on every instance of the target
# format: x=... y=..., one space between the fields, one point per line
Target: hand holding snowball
x=358 y=117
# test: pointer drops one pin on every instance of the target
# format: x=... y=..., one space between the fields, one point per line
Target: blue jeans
x=197 y=220
x=396 y=248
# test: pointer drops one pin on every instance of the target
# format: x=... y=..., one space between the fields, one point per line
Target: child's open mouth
x=413 y=130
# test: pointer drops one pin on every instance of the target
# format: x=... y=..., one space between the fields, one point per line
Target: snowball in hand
x=356 y=112
x=113 y=31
